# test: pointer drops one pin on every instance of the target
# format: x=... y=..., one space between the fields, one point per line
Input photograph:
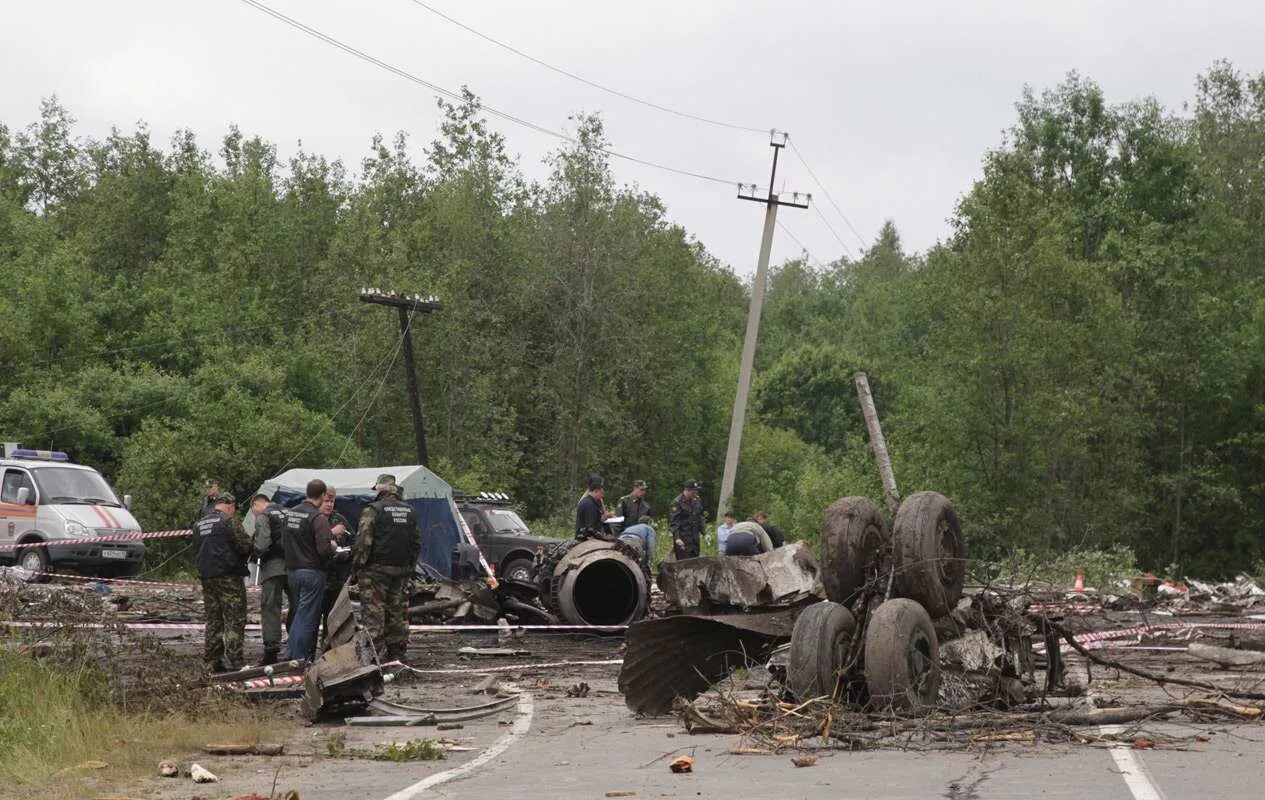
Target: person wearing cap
x=340 y=565
x=266 y=544
x=589 y=512
x=221 y=546
x=633 y=506
x=384 y=558
x=722 y=531
x=308 y=543
x=685 y=518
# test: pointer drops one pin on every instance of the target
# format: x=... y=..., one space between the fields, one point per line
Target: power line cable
x=826 y=192
x=838 y=238
x=377 y=62
x=360 y=385
x=408 y=330
x=802 y=246
x=586 y=81
x=164 y=342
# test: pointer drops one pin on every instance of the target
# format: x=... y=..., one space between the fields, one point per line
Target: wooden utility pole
x=777 y=140
x=408 y=307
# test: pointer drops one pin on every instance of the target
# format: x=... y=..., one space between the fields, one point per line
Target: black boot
x=271 y=656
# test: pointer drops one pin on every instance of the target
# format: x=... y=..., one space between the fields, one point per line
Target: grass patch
x=1102 y=568
x=415 y=750
x=56 y=719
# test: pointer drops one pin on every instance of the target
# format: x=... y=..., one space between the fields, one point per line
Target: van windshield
x=506 y=521
x=63 y=485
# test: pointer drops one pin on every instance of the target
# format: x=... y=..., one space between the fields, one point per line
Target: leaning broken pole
x=877 y=443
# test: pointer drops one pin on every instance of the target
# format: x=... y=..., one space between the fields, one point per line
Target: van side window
x=15 y=479
x=475 y=521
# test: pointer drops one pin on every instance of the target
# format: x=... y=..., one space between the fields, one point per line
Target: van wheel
x=33 y=561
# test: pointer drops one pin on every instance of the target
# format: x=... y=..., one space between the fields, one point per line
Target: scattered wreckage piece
x=782 y=577
x=346 y=674
x=433 y=599
x=396 y=714
x=594 y=582
x=682 y=656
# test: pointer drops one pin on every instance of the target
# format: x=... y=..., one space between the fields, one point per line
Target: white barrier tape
x=1067 y=608
x=114 y=537
x=268 y=683
x=515 y=628
x=1092 y=637
x=194 y=587
x=511 y=668
x=92 y=579
x=140 y=626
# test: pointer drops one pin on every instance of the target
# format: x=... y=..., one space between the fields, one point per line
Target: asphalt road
x=588 y=747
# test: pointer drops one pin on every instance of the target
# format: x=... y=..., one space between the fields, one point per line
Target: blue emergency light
x=39 y=455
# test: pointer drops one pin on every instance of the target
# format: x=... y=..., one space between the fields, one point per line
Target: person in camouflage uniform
x=685 y=518
x=222 y=546
x=633 y=506
x=340 y=565
x=270 y=523
x=384 y=558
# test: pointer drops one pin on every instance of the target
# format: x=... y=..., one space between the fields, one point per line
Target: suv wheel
x=518 y=569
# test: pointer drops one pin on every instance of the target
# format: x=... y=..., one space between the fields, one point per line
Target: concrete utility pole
x=408 y=307
x=777 y=140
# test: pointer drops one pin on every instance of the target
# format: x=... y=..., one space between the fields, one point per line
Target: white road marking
x=522 y=724
x=1136 y=776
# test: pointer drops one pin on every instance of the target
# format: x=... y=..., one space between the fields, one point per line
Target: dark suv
x=502 y=535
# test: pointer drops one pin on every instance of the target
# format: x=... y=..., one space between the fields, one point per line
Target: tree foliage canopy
x=1081 y=364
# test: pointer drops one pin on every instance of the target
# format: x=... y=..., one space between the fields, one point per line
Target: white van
x=45 y=498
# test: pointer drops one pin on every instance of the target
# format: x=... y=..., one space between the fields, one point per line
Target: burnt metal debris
x=594 y=582
x=781 y=577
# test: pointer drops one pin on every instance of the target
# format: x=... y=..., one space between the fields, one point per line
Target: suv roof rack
x=483 y=497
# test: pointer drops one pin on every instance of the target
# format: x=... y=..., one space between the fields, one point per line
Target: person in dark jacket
x=685 y=518
x=589 y=512
x=266 y=544
x=340 y=565
x=221 y=546
x=309 y=545
x=775 y=533
x=633 y=506
x=384 y=558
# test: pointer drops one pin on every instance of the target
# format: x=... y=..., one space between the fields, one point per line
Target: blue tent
x=426 y=492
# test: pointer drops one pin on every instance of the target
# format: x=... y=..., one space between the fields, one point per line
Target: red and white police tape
x=112 y=537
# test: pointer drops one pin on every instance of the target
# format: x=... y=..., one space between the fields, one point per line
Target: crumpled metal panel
x=682 y=656
x=782 y=577
x=347 y=673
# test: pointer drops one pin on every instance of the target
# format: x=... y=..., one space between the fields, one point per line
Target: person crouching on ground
x=384 y=558
x=644 y=534
x=222 y=546
x=747 y=539
x=309 y=546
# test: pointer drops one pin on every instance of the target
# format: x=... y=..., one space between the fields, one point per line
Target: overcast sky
x=892 y=103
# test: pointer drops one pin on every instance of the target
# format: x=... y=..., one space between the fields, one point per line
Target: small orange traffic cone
x=1079 y=586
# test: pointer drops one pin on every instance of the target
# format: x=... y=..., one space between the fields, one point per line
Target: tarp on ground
x=429 y=494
